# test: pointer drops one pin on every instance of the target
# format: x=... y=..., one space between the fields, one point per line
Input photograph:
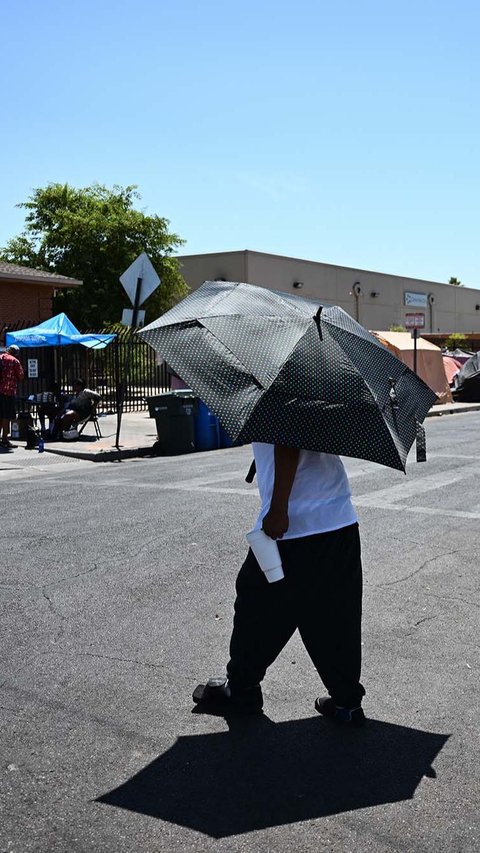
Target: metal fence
x=102 y=370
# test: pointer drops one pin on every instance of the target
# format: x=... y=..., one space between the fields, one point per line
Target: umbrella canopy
x=55 y=332
x=286 y=370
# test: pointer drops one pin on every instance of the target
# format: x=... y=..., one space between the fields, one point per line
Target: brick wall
x=30 y=302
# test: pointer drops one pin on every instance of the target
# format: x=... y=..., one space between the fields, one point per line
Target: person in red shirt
x=11 y=371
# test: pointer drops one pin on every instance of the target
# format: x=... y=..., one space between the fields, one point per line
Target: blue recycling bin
x=209 y=433
x=225 y=440
x=207 y=428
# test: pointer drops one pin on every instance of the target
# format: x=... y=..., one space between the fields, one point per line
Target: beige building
x=377 y=300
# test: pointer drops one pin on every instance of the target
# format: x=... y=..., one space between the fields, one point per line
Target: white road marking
x=391 y=498
x=412 y=488
x=33 y=471
x=420 y=510
x=383 y=499
x=453 y=456
x=198 y=482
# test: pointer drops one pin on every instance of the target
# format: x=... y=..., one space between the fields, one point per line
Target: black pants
x=321 y=595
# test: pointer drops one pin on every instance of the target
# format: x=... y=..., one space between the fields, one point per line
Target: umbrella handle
x=393 y=393
x=421 y=442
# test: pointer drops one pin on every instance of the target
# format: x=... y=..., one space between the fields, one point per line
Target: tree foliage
x=456 y=341
x=455 y=281
x=94 y=234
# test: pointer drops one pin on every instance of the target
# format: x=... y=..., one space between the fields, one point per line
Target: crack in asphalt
x=58 y=614
x=103 y=657
x=94 y=568
x=8 y=585
x=120 y=660
x=414 y=627
x=455 y=598
x=426 y=619
x=420 y=568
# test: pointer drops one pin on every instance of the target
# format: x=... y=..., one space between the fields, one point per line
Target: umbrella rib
x=405 y=370
x=245 y=367
x=234 y=355
x=404 y=366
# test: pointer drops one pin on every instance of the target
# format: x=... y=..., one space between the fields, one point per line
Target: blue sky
x=345 y=133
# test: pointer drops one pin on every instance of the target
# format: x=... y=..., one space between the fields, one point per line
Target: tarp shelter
x=452 y=365
x=467 y=388
x=453 y=361
x=56 y=332
x=462 y=355
x=429 y=360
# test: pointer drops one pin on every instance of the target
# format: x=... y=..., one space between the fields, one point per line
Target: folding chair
x=92 y=419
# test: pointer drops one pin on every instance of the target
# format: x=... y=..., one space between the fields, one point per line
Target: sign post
x=415 y=336
x=139 y=281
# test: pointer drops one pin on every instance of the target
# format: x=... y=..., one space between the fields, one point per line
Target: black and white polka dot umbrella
x=287 y=370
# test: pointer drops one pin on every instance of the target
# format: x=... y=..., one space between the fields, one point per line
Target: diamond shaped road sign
x=142 y=268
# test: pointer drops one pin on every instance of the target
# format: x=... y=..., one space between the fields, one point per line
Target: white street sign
x=415 y=321
x=127 y=317
x=143 y=268
x=32 y=368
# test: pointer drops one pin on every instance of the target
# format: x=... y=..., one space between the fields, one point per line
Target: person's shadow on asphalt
x=261 y=774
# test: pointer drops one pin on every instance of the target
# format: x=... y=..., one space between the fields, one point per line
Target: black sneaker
x=339 y=714
x=216 y=696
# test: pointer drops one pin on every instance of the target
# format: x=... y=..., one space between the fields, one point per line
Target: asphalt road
x=116 y=591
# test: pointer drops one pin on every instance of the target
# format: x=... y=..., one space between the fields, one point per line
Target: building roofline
x=356 y=270
x=25 y=275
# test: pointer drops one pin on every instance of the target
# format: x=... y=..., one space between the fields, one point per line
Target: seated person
x=78 y=408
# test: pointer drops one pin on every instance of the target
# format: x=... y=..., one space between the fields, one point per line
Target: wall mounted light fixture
x=374 y=294
x=298 y=284
x=477 y=307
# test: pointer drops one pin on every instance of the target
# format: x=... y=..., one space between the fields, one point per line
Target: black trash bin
x=174 y=413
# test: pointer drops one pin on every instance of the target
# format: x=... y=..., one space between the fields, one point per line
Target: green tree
x=94 y=234
x=456 y=341
x=455 y=281
x=396 y=328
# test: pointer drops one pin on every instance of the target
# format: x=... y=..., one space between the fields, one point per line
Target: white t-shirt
x=320 y=499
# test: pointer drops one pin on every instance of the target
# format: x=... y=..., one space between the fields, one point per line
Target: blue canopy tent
x=57 y=331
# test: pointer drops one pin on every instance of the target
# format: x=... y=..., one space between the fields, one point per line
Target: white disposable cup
x=267 y=554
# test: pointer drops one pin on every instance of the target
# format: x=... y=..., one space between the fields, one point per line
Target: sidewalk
x=138 y=434
x=453 y=409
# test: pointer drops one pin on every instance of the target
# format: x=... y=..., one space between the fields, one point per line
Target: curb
x=469 y=407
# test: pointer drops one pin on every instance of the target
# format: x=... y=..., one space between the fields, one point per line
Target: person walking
x=306 y=506
x=11 y=372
